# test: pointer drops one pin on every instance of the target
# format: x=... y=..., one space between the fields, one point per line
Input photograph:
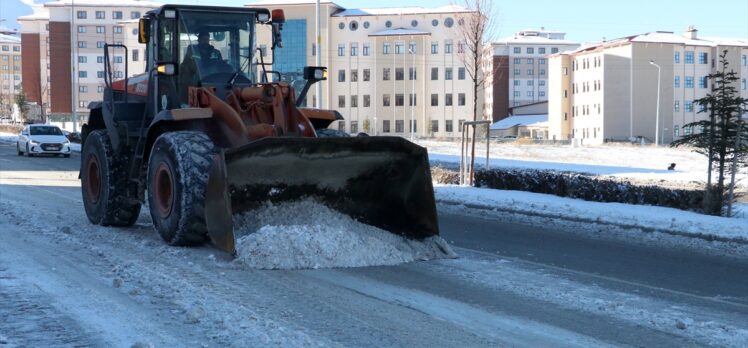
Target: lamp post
x=413 y=98
x=657 y=114
x=318 y=57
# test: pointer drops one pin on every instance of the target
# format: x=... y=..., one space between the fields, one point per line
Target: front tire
x=28 y=152
x=104 y=184
x=178 y=171
x=18 y=148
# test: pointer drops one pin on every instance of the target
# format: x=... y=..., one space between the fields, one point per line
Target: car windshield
x=45 y=131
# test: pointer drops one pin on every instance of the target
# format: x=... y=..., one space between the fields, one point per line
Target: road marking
x=610 y=279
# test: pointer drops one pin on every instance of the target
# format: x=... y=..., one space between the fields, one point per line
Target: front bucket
x=381 y=181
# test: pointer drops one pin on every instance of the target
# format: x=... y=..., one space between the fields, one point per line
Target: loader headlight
x=166 y=69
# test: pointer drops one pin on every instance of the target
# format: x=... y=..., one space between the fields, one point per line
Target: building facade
x=69 y=44
x=388 y=68
x=609 y=91
x=10 y=71
x=520 y=69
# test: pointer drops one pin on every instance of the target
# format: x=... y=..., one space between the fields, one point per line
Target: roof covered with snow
x=399 y=32
x=41 y=13
x=399 y=11
x=9 y=38
x=103 y=3
x=524 y=120
x=668 y=37
x=288 y=2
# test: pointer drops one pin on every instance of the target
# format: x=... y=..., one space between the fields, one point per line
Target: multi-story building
x=46 y=37
x=386 y=66
x=608 y=91
x=10 y=70
x=520 y=69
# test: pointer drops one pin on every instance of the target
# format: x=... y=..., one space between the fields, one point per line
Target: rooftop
x=288 y=2
x=356 y=12
x=9 y=38
x=103 y=3
x=666 y=37
x=523 y=120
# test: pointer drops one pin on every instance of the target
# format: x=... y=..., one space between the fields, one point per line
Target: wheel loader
x=208 y=131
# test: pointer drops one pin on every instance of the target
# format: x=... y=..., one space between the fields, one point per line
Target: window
x=354 y=75
x=100 y=89
x=385 y=100
x=461 y=99
x=744 y=60
x=676 y=106
x=367 y=74
x=461 y=46
x=82 y=73
x=434 y=74
x=449 y=22
x=100 y=15
x=116 y=14
x=687 y=130
x=341 y=50
x=542 y=72
x=119 y=74
x=460 y=73
x=517 y=60
x=554 y=50
x=677 y=57
x=541 y=61
x=388 y=24
x=100 y=59
x=742 y=84
x=688 y=106
x=530 y=82
x=448 y=126
x=689 y=81
x=354 y=49
x=434 y=47
x=341 y=75
x=82 y=89
x=530 y=72
x=541 y=50
x=677 y=82
x=341 y=126
x=412 y=99
x=448 y=46
x=516 y=72
x=341 y=101
x=385 y=74
x=541 y=93
x=100 y=44
x=354 y=104
x=434 y=126
x=530 y=61
x=676 y=131
x=689 y=57
x=516 y=82
x=447 y=73
x=530 y=93
x=518 y=50
x=530 y=50
x=399 y=99
x=117 y=29
x=703 y=82
x=412 y=47
x=434 y=99
x=118 y=59
x=386 y=48
x=81 y=29
x=517 y=94
x=399 y=74
x=541 y=83
x=82 y=59
x=399 y=47
x=354 y=126
x=353 y=25
x=100 y=29
x=386 y=126
x=81 y=14
x=367 y=100
x=448 y=99
x=399 y=126
x=100 y=74
x=366 y=49
x=703 y=57
x=82 y=44
x=134 y=15
x=412 y=74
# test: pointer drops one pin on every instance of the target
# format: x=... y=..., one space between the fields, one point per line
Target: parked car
x=37 y=139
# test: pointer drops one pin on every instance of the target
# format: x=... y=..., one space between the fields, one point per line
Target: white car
x=37 y=139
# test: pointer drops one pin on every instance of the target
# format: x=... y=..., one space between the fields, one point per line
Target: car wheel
x=18 y=148
x=66 y=155
x=28 y=152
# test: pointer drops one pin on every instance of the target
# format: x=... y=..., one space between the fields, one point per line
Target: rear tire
x=104 y=183
x=178 y=172
x=18 y=148
x=66 y=155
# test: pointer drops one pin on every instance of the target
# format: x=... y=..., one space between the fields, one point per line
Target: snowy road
x=64 y=282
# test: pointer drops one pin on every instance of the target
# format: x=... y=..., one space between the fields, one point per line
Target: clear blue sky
x=582 y=20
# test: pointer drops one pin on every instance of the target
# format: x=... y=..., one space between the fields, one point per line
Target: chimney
x=690 y=33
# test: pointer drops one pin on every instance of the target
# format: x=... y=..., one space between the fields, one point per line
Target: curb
x=647 y=229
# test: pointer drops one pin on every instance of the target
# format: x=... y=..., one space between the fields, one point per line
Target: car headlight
x=33 y=142
x=66 y=142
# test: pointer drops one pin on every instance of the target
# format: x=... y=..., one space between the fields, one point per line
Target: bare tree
x=476 y=29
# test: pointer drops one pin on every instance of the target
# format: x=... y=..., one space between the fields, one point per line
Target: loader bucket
x=380 y=181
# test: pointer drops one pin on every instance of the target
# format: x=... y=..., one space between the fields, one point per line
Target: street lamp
x=413 y=98
x=657 y=117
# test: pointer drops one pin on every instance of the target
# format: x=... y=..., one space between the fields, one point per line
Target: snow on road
x=278 y=237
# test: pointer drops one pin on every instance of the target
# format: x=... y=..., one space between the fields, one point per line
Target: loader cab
x=200 y=46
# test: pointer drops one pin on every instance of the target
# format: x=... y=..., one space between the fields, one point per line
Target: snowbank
x=8 y=137
x=307 y=234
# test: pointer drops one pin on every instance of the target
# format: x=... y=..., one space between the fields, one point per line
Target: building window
x=412 y=47
x=100 y=89
x=461 y=46
x=385 y=74
x=677 y=57
x=82 y=44
x=100 y=29
x=460 y=73
x=118 y=30
x=399 y=74
x=517 y=60
x=742 y=82
x=399 y=47
x=100 y=44
x=688 y=106
x=116 y=14
x=354 y=102
x=134 y=15
x=461 y=99
x=353 y=25
x=676 y=106
x=100 y=59
x=341 y=50
x=516 y=82
x=530 y=50
x=448 y=99
x=744 y=60
x=341 y=126
x=83 y=89
x=367 y=100
x=530 y=72
x=386 y=48
x=81 y=14
x=542 y=72
x=689 y=57
x=516 y=72
x=386 y=126
x=341 y=101
x=516 y=94
x=518 y=50
x=366 y=49
x=354 y=126
x=541 y=50
x=82 y=73
x=385 y=100
x=530 y=82
x=448 y=46
x=135 y=55
x=354 y=75
x=82 y=59
x=447 y=73
x=448 y=126
x=434 y=74
x=677 y=82
x=354 y=49
x=388 y=24
x=412 y=74
x=676 y=131
x=541 y=93
x=434 y=126
x=100 y=15
x=689 y=81
x=434 y=47
x=118 y=59
x=703 y=82
x=399 y=126
x=341 y=75
x=81 y=29
x=554 y=50
x=703 y=57
x=399 y=99
x=541 y=61
x=434 y=99
x=541 y=83
x=100 y=74
x=367 y=74
x=530 y=61
x=530 y=93
x=412 y=99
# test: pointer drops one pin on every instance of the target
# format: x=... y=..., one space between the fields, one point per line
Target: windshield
x=45 y=131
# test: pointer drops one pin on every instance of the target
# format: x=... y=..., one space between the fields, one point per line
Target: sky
x=582 y=20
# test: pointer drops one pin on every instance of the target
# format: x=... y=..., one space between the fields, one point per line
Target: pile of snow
x=8 y=137
x=307 y=234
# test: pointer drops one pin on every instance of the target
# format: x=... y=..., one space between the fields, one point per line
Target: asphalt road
x=513 y=285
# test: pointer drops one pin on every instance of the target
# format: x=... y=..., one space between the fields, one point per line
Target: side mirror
x=144 y=30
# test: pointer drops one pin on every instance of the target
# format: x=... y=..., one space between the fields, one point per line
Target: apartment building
x=56 y=30
x=386 y=66
x=10 y=70
x=520 y=69
x=608 y=91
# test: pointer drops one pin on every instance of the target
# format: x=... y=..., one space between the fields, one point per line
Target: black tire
x=28 y=152
x=66 y=155
x=331 y=133
x=18 y=148
x=104 y=183
x=178 y=171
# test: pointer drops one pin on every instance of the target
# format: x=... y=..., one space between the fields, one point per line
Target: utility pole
x=657 y=117
x=74 y=65
x=413 y=97
x=318 y=56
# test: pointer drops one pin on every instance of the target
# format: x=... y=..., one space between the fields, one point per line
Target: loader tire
x=104 y=183
x=178 y=172
x=331 y=133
